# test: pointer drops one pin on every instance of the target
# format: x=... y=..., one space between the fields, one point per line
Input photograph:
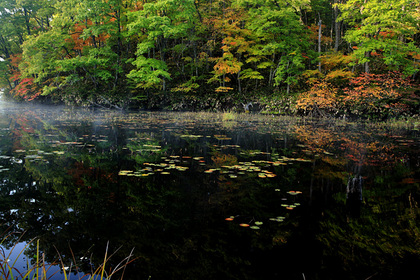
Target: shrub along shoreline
x=316 y=102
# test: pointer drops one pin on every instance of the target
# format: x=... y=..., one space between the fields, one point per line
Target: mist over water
x=212 y=196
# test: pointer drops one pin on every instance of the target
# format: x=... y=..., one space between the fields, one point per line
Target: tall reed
x=41 y=270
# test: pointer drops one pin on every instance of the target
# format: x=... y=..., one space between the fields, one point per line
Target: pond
x=212 y=195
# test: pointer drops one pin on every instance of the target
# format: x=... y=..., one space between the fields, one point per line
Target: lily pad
x=294 y=192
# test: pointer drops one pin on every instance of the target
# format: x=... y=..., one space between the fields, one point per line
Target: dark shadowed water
x=212 y=196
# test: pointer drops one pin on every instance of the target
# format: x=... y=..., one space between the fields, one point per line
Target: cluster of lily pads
x=153 y=168
x=37 y=154
x=255 y=225
x=242 y=168
x=169 y=164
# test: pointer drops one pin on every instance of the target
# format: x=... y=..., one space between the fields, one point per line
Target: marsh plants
x=36 y=268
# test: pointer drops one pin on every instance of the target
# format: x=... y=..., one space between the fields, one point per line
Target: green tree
x=157 y=25
x=382 y=32
x=82 y=50
x=280 y=39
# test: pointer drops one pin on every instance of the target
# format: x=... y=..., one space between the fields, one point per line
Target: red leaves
x=27 y=89
x=80 y=43
x=377 y=93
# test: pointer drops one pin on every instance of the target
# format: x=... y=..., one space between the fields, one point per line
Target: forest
x=307 y=57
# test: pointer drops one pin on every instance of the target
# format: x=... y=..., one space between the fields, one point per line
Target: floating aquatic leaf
x=287 y=206
x=244 y=225
x=277 y=219
x=222 y=137
x=191 y=136
x=124 y=172
x=258 y=223
x=229 y=219
x=254 y=227
x=294 y=192
x=277 y=190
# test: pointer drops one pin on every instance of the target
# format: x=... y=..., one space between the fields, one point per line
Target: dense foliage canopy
x=308 y=56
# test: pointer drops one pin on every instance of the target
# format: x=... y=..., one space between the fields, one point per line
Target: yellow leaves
x=339 y=74
x=223 y=89
x=187 y=59
x=311 y=76
x=332 y=60
x=227 y=65
x=203 y=56
x=186 y=87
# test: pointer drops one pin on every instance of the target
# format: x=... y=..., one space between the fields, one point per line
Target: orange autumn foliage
x=321 y=95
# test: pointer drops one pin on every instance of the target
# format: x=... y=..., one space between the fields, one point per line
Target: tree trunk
x=239 y=82
x=319 y=43
x=367 y=70
x=337 y=29
x=28 y=28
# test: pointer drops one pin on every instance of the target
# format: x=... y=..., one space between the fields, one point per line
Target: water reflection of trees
x=385 y=230
x=69 y=194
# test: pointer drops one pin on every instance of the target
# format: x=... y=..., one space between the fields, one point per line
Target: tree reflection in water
x=165 y=183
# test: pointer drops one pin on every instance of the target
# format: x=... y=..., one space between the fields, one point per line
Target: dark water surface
x=213 y=196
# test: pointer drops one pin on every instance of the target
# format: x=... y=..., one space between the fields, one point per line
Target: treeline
x=319 y=56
